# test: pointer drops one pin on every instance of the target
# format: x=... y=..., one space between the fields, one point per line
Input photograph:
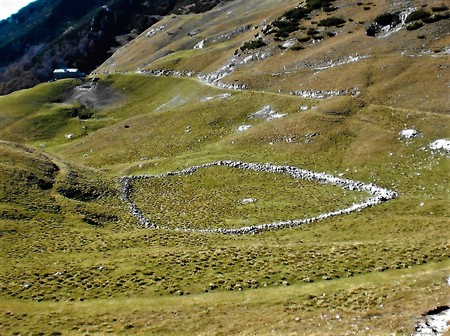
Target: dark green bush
x=331 y=21
x=387 y=19
x=281 y=24
x=443 y=16
x=312 y=32
x=285 y=27
x=303 y=39
x=414 y=26
x=317 y=4
x=440 y=8
x=417 y=15
x=296 y=13
x=255 y=44
x=297 y=48
x=431 y=19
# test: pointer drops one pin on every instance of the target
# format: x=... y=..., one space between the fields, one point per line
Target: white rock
x=434 y=324
x=200 y=45
x=440 y=144
x=248 y=200
x=289 y=43
x=409 y=134
x=267 y=113
x=243 y=128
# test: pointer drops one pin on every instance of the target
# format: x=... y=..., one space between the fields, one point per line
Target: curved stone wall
x=378 y=195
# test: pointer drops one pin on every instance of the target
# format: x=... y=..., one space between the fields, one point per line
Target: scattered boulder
x=408 y=134
x=442 y=145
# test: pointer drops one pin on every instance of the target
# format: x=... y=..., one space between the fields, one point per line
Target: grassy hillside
x=92 y=250
x=391 y=68
x=74 y=260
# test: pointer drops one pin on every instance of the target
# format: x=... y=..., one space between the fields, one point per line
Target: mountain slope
x=92 y=250
x=127 y=198
x=391 y=66
x=48 y=34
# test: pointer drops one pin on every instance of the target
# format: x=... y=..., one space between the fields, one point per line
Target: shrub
x=331 y=21
x=443 y=16
x=312 y=32
x=431 y=19
x=255 y=44
x=440 y=8
x=317 y=4
x=285 y=28
x=286 y=25
x=297 y=48
x=303 y=39
x=387 y=19
x=281 y=34
x=417 y=15
x=296 y=13
x=414 y=26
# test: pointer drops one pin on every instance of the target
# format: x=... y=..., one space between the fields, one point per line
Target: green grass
x=89 y=268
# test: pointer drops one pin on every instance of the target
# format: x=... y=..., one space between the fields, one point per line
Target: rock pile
x=322 y=94
x=222 y=37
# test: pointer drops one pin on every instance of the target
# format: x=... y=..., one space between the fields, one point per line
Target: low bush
x=417 y=15
x=296 y=13
x=285 y=29
x=431 y=19
x=255 y=44
x=414 y=26
x=317 y=4
x=331 y=22
x=312 y=32
x=387 y=19
x=440 y=8
x=297 y=48
x=303 y=39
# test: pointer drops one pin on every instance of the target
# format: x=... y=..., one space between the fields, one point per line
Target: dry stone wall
x=377 y=194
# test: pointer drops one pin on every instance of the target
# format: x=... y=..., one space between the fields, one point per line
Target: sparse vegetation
x=289 y=22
